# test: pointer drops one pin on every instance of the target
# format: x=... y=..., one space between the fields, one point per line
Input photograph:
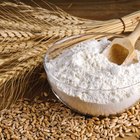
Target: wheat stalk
x=8 y=92
x=9 y=24
x=12 y=47
x=11 y=17
x=23 y=43
x=55 y=17
x=19 y=71
x=26 y=34
x=21 y=68
x=18 y=60
x=15 y=35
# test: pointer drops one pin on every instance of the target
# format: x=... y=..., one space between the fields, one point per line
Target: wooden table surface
x=99 y=9
x=96 y=9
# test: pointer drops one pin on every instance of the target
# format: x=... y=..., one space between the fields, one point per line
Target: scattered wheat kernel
x=121 y=135
x=137 y=136
x=128 y=134
x=127 y=130
x=133 y=130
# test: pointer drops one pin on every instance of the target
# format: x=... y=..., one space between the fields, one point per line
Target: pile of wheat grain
x=51 y=120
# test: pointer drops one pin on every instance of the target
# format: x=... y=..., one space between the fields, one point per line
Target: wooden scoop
x=122 y=50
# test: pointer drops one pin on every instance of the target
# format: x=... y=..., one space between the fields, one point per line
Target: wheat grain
x=16 y=78
x=14 y=35
x=26 y=62
x=12 y=47
x=19 y=69
x=9 y=24
x=52 y=120
x=57 y=17
x=51 y=16
x=14 y=14
x=63 y=31
x=137 y=136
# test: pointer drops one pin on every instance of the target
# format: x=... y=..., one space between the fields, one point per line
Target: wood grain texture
x=95 y=9
x=100 y=9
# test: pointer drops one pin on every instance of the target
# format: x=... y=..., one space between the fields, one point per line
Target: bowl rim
x=71 y=86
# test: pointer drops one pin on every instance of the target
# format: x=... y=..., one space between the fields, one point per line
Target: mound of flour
x=86 y=68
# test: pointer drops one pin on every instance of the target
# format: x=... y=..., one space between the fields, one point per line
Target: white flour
x=94 y=77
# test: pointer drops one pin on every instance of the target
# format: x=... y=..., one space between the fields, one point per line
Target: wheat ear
x=15 y=47
x=15 y=35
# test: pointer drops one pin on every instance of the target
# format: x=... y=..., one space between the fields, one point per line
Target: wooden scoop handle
x=133 y=37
